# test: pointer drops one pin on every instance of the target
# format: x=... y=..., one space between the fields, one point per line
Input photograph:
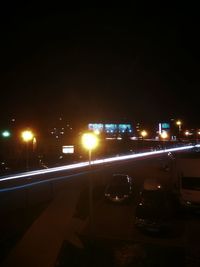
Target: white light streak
x=94 y=162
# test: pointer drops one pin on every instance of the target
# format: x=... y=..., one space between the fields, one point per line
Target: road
x=60 y=233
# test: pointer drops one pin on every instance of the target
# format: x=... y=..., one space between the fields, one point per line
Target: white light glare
x=95 y=162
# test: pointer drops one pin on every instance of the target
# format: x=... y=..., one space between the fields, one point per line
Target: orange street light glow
x=89 y=141
x=27 y=136
x=178 y=122
x=143 y=133
x=164 y=135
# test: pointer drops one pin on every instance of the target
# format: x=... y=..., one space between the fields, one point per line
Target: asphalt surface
x=60 y=233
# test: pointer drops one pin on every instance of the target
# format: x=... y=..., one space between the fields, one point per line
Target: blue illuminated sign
x=95 y=127
x=111 y=127
x=165 y=125
x=125 y=128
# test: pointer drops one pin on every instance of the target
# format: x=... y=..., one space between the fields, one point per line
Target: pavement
x=42 y=242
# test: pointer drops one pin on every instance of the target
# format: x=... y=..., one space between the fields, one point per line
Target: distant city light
x=97 y=132
x=68 y=149
x=187 y=133
x=6 y=134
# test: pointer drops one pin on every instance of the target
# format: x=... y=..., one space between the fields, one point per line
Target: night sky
x=99 y=64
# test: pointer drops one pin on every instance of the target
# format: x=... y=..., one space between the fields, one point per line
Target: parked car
x=154 y=211
x=119 y=189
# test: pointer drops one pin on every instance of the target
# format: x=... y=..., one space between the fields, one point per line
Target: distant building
x=112 y=129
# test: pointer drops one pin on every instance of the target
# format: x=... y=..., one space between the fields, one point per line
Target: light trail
x=42 y=181
x=94 y=162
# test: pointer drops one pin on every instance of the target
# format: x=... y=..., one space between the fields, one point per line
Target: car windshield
x=119 y=180
x=118 y=183
x=192 y=183
x=118 y=188
x=152 y=204
x=153 y=196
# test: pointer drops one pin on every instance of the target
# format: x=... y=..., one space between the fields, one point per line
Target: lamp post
x=90 y=142
x=27 y=136
x=143 y=134
x=197 y=136
x=164 y=136
x=179 y=124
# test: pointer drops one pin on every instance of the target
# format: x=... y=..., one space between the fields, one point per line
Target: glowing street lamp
x=143 y=133
x=27 y=137
x=187 y=132
x=90 y=142
x=197 y=136
x=164 y=136
x=34 y=143
x=179 y=124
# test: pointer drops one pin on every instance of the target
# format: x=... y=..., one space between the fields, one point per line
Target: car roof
x=118 y=178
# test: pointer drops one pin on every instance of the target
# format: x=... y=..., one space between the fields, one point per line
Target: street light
x=164 y=136
x=27 y=137
x=179 y=124
x=90 y=142
x=143 y=134
x=197 y=136
x=187 y=133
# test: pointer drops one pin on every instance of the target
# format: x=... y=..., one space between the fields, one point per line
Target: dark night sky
x=94 y=64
